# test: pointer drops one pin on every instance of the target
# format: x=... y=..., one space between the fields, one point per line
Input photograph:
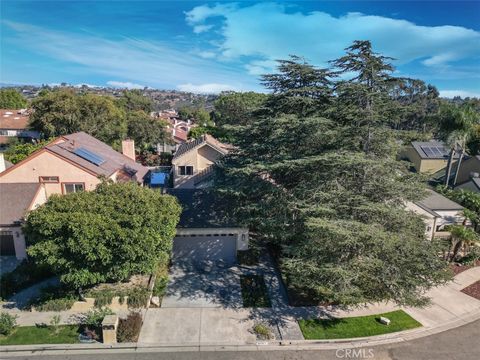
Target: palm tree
x=461 y=238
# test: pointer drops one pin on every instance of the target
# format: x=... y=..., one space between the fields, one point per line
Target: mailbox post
x=109 y=329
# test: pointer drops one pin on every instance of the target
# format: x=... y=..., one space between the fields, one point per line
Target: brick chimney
x=128 y=148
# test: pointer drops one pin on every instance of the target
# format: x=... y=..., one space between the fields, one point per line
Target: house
x=205 y=232
x=438 y=212
x=14 y=124
x=427 y=156
x=4 y=164
x=76 y=162
x=469 y=174
x=193 y=160
x=16 y=200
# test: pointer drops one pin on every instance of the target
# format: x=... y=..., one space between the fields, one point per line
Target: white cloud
x=124 y=85
x=320 y=36
x=141 y=62
x=205 y=88
x=197 y=29
x=461 y=93
x=207 y=54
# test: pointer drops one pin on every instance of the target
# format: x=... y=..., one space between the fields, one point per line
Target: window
x=185 y=170
x=72 y=188
x=49 y=179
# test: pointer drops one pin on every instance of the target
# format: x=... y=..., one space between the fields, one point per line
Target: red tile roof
x=14 y=119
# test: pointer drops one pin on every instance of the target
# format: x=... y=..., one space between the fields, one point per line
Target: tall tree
x=105 y=235
x=134 y=100
x=146 y=131
x=237 y=108
x=12 y=99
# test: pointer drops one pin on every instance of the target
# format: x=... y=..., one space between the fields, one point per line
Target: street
x=457 y=344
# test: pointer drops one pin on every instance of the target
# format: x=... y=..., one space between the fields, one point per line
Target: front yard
x=30 y=335
x=362 y=326
x=254 y=291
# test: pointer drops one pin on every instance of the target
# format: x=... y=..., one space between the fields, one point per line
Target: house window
x=185 y=170
x=49 y=179
x=72 y=188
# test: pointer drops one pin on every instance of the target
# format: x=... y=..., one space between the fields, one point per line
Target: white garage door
x=212 y=247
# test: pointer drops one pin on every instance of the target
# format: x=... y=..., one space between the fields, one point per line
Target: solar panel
x=442 y=150
x=89 y=156
x=437 y=151
x=428 y=150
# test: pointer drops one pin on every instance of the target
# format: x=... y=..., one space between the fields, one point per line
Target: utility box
x=109 y=329
x=384 y=320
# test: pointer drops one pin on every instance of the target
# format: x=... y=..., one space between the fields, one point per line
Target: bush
x=248 y=257
x=138 y=297
x=54 y=298
x=161 y=276
x=102 y=297
x=26 y=274
x=54 y=322
x=472 y=257
x=93 y=319
x=262 y=331
x=56 y=305
x=129 y=328
x=7 y=323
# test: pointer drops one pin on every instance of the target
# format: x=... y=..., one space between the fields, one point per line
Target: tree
x=461 y=237
x=18 y=151
x=236 y=108
x=105 y=235
x=134 y=100
x=146 y=131
x=333 y=204
x=12 y=99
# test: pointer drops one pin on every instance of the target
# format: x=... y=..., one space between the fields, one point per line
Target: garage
x=202 y=248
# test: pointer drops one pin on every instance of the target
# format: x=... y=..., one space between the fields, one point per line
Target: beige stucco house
x=192 y=162
x=438 y=212
x=16 y=200
x=427 y=156
x=469 y=174
x=76 y=162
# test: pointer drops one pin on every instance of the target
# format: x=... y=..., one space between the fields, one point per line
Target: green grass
x=254 y=291
x=353 y=327
x=28 y=335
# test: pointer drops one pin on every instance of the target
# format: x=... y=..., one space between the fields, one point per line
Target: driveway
x=197 y=326
x=203 y=285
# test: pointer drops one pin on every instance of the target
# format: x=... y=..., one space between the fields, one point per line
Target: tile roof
x=14 y=119
x=204 y=139
x=437 y=202
x=15 y=199
x=114 y=161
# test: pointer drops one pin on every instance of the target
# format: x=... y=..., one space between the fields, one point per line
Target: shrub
x=102 y=297
x=7 y=323
x=93 y=319
x=54 y=298
x=161 y=276
x=262 y=331
x=248 y=257
x=129 y=328
x=55 y=305
x=25 y=274
x=54 y=322
x=138 y=297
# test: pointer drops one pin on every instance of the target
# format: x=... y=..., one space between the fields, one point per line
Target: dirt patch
x=135 y=281
x=473 y=290
x=459 y=268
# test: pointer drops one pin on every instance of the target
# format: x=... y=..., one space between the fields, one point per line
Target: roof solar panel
x=89 y=156
x=428 y=151
x=442 y=150
x=437 y=151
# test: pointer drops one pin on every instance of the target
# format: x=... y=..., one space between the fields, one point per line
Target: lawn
x=254 y=291
x=356 y=326
x=28 y=335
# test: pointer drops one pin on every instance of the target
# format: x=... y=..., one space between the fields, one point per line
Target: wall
x=467 y=167
x=429 y=219
x=423 y=165
x=46 y=164
x=18 y=240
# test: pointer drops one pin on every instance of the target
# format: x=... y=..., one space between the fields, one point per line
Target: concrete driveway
x=197 y=326
x=202 y=286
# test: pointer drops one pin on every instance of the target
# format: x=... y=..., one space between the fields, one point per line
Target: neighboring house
x=469 y=174
x=76 y=162
x=204 y=233
x=427 y=157
x=438 y=212
x=192 y=162
x=14 y=124
x=16 y=200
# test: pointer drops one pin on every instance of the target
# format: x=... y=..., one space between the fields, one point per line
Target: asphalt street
x=461 y=343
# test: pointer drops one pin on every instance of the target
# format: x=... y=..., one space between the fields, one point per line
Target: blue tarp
x=158 y=179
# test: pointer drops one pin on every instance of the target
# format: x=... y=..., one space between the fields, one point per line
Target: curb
x=397 y=337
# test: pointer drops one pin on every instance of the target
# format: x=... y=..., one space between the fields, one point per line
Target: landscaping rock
x=384 y=320
x=155 y=300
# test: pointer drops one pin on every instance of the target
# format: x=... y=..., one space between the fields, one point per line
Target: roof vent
x=474 y=175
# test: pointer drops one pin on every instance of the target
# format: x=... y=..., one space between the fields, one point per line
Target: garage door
x=7 y=245
x=201 y=248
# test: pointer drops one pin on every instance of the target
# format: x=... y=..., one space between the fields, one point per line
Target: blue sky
x=213 y=46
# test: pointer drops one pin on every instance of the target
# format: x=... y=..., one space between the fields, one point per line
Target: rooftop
x=16 y=199
x=432 y=149
x=437 y=202
x=201 y=209
x=14 y=119
x=204 y=139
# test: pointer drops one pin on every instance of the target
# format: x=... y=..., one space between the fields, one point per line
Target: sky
x=209 y=47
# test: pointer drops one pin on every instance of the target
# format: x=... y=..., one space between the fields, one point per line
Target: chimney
x=128 y=148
